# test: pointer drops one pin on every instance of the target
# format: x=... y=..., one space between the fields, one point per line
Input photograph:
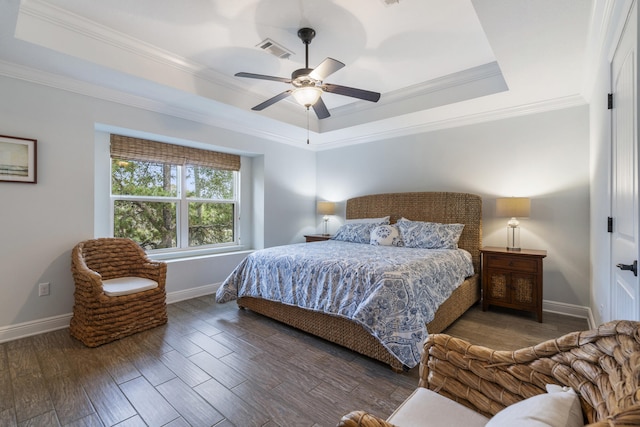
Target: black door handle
x=631 y=267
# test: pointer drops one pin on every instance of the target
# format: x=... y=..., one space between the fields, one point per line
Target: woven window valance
x=126 y=147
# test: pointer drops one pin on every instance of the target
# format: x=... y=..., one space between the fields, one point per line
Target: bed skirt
x=352 y=335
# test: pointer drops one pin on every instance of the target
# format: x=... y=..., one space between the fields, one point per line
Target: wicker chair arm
x=86 y=280
x=625 y=418
x=601 y=364
x=154 y=270
x=480 y=378
x=362 y=419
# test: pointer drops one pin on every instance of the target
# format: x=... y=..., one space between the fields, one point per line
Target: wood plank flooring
x=216 y=365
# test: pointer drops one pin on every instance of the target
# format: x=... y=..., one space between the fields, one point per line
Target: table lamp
x=326 y=209
x=513 y=207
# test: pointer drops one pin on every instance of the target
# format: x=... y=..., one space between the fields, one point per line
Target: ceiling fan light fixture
x=308 y=83
x=307 y=95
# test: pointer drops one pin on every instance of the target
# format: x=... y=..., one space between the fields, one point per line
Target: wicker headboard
x=443 y=207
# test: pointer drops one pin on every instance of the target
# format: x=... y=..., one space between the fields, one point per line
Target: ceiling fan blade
x=352 y=92
x=325 y=69
x=272 y=101
x=263 y=77
x=321 y=109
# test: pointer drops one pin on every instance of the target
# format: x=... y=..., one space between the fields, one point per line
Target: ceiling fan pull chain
x=307 y=125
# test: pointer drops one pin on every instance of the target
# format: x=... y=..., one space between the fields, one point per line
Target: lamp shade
x=513 y=207
x=326 y=208
x=307 y=95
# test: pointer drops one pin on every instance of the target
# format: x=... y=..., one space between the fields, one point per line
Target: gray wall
x=40 y=224
x=543 y=156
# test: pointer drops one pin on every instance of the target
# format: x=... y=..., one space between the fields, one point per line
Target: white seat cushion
x=427 y=408
x=127 y=285
x=557 y=408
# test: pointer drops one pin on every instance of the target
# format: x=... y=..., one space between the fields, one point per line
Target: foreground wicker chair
x=602 y=365
x=99 y=318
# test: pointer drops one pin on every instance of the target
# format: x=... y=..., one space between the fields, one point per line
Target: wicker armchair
x=602 y=365
x=99 y=318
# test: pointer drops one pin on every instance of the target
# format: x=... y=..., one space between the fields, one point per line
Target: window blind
x=126 y=147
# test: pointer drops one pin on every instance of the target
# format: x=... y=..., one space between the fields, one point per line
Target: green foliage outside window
x=143 y=215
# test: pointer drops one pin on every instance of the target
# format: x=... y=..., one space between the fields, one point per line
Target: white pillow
x=560 y=407
x=382 y=220
x=386 y=235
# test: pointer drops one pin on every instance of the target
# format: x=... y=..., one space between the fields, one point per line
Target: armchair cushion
x=427 y=408
x=127 y=285
x=557 y=408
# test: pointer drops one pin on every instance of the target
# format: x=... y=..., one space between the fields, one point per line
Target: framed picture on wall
x=18 y=159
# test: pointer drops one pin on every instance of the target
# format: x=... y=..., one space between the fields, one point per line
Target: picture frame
x=18 y=159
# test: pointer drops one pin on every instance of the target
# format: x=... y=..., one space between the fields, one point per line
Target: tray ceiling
x=433 y=61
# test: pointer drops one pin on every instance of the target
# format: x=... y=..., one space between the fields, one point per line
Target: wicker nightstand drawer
x=511 y=263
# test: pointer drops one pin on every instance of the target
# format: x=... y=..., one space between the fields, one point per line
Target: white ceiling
x=435 y=62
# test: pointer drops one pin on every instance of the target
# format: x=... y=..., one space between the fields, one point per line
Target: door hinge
x=610 y=101
x=610 y=225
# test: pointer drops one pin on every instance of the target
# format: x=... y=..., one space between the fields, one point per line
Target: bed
x=356 y=334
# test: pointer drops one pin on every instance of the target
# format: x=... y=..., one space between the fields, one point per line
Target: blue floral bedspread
x=391 y=291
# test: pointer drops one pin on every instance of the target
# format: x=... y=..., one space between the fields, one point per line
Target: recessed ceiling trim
x=38 y=21
x=283 y=134
x=475 y=74
x=453 y=122
x=476 y=82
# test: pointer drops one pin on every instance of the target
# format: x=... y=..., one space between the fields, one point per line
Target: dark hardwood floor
x=218 y=365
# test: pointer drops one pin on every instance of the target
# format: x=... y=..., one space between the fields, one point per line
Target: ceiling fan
x=308 y=83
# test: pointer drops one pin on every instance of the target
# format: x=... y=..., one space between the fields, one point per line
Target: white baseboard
x=35 y=327
x=569 y=310
x=26 y=329
x=40 y=326
x=178 y=296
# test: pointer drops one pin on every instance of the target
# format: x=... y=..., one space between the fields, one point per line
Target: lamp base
x=325 y=228
x=513 y=238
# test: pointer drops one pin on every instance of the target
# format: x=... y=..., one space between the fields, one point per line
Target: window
x=170 y=197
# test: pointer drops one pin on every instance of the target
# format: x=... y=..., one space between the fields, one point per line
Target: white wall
x=543 y=156
x=40 y=224
x=600 y=152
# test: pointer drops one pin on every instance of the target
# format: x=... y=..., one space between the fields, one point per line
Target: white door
x=625 y=298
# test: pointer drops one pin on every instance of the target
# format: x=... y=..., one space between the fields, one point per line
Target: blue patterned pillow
x=356 y=232
x=430 y=235
x=386 y=235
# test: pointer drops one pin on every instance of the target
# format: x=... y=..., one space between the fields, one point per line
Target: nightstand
x=317 y=237
x=512 y=279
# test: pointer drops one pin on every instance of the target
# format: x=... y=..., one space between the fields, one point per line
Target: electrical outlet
x=43 y=289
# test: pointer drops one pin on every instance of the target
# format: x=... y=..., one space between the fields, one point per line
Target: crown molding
x=84 y=29
x=284 y=135
x=209 y=117
x=462 y=120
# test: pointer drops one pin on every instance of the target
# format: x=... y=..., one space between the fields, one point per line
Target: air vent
x=274 y=48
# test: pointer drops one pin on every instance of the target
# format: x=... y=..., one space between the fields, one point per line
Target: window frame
x=182 y=248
